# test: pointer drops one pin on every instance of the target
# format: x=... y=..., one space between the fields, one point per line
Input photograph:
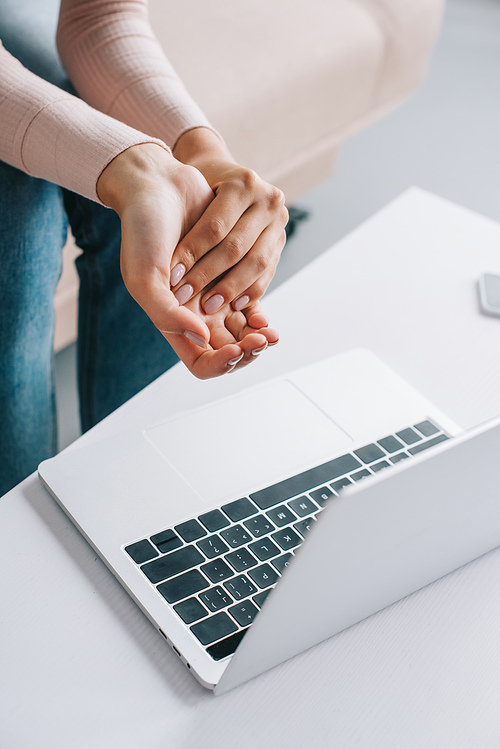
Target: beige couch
x=287 y=82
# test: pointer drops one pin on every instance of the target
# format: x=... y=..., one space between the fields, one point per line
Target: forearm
x=50 y=134
x=117 y=65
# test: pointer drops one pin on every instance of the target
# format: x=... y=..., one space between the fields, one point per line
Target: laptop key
x=259 y=526
x=236 y=536
x=244 y=613
x=399 y=457
x=391 y=444
x=212 y=546
x=369 y=453
x=304 y=525
x=217 y=570
x=191 y=530
x=214 y=628
x=427 y=428
x=240 y=509
x=215 y=598
x=263 y=576
x=303 y=506
x=286 y=538
x=240 y=587
x=280 y=563
x=241 y=560
x=380 y=466
x=426 y=445
x=141 y=551
x=261 y=597
x=166 y=541
x=359 y=475
x=172 y=564
x=213 y=520
x=321 y=496
x=281 y=515
x=264 y=549
x=227 y=646
x=190 y=610
x=409 y=436
x=183 y=586
x=337 y=486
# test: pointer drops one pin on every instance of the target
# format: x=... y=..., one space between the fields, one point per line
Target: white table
x=80 y=666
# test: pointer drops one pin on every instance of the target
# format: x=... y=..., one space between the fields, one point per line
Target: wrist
x=132 y=172
x=202 y=148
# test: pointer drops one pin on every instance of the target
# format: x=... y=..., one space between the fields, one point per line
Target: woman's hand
x=236 y=340
x=242 y=230
x=158 y=201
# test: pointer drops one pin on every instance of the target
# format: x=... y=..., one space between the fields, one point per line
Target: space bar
x=304 y=481
x=226 y=647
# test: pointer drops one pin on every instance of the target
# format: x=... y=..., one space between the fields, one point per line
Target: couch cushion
x=278 y=79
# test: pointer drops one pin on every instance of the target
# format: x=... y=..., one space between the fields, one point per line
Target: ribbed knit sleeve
x=50 y=134
x=117 y=65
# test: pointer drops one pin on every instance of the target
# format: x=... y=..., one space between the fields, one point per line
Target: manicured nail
x=184 y=293
x=234 y=361
x=214 y=303
x=241 y=302
x=177 y=273
x=196 y=338
x=258 y=351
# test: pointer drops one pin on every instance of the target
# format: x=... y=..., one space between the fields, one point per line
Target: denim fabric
x=119 y=349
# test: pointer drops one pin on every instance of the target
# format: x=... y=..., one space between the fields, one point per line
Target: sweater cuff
x=78 y=144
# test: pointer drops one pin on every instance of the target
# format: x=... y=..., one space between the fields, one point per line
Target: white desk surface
x=81 y=667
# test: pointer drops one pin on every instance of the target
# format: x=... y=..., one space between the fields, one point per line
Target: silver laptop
x=256 y=527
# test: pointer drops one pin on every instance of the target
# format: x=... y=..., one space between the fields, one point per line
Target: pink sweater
x=130 y=94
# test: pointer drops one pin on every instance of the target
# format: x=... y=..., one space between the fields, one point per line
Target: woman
x=200 y=235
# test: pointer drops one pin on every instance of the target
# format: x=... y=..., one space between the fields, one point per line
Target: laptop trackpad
x=249 y=441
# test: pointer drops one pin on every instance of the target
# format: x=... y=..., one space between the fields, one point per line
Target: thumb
x=163 y=309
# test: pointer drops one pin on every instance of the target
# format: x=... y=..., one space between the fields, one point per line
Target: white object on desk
x=489 y=293
x=148 y=481
x=86 y=667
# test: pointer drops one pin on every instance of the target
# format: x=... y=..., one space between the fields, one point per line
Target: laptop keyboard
x=217 y=569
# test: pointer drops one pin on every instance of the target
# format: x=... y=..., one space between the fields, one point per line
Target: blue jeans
x=119 y=349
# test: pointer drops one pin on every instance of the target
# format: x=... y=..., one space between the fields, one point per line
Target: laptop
x=257 y=526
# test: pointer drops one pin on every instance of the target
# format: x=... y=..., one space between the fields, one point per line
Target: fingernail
x=241 y=302
x=258 y=351
x=184 y=293
x=177 y=273
x=196 y=338
x=214 y=303
x=234 y=361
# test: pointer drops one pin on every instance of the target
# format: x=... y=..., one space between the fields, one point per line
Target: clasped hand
x=200 y=244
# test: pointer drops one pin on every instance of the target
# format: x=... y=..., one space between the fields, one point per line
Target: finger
x=271 y=335
x=246 y=282
x=257 y=320
x=211 y=229
x=209 y=362
x=252 y=345
x=255 y=316
x=255 y=347
x=241 y=331
x=167 y=315
x=240 y=240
